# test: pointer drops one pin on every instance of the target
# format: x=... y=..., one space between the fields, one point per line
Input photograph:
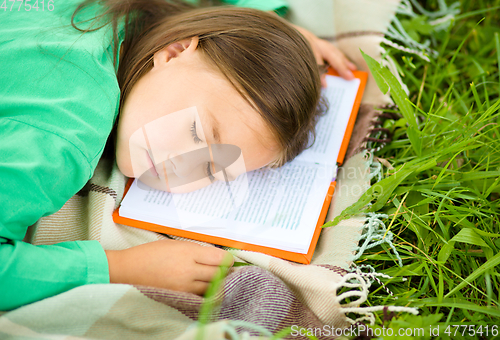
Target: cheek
x=137 y=153
x=169 y=134
x=181 y=175
x=156 y=141
x=191 y=186
x=124 y=166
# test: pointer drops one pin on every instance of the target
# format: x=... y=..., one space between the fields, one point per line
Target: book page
x=331 y=127
x=280 y=210
x=193 y=209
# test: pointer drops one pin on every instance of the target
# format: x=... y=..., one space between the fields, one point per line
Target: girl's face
x=174 y=114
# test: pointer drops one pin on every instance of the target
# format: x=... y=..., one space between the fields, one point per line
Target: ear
x=175 y=50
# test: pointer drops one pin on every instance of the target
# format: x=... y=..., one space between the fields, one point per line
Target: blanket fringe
x=376 y=233
x=370 y=317
x=362 y=282
x=372 y=276
x=361 y=277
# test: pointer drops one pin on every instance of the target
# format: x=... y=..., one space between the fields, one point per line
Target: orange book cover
x=288 y=255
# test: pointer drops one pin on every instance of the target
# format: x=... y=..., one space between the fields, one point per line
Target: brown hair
x=268 y=62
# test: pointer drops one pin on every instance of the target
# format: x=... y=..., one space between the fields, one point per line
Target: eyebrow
x=215 y=126
x=215 y=132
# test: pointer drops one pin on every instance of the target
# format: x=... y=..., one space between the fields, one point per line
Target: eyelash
x=194 y=134
x=198 y=140
x=209 y=172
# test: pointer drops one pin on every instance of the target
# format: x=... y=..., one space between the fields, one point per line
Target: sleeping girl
x=72 y=74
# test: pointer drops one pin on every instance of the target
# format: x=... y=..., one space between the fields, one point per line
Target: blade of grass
x=473 y=13
x=497 y=45
x=457 y=303
x=490 y=264
x=476 y=97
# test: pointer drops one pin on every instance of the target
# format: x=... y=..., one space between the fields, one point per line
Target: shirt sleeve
x=39 y=172
x=278 y=6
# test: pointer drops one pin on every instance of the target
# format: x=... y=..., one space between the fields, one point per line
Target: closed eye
x=194 y=134
x=209 y=172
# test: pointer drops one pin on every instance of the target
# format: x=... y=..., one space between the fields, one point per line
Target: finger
x=228 y=260
x=198 y=287
x=324 y=84
x=345 y=73
x=337 y=60
x=206 y=273
x=213 y=256
x=341 y=67
x=318 y=56
x=348 y=63
x=351 y=65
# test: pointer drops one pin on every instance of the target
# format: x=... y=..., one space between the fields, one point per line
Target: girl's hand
x=171 y=264
x=326 y=51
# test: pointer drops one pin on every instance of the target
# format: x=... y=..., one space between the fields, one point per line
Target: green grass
x=442 y=192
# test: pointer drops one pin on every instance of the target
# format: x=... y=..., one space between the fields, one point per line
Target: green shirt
x=58 y=102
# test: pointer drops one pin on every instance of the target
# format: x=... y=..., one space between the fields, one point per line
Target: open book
x=278 y=211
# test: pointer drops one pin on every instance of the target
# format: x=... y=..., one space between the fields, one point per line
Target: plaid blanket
x=263 y=298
